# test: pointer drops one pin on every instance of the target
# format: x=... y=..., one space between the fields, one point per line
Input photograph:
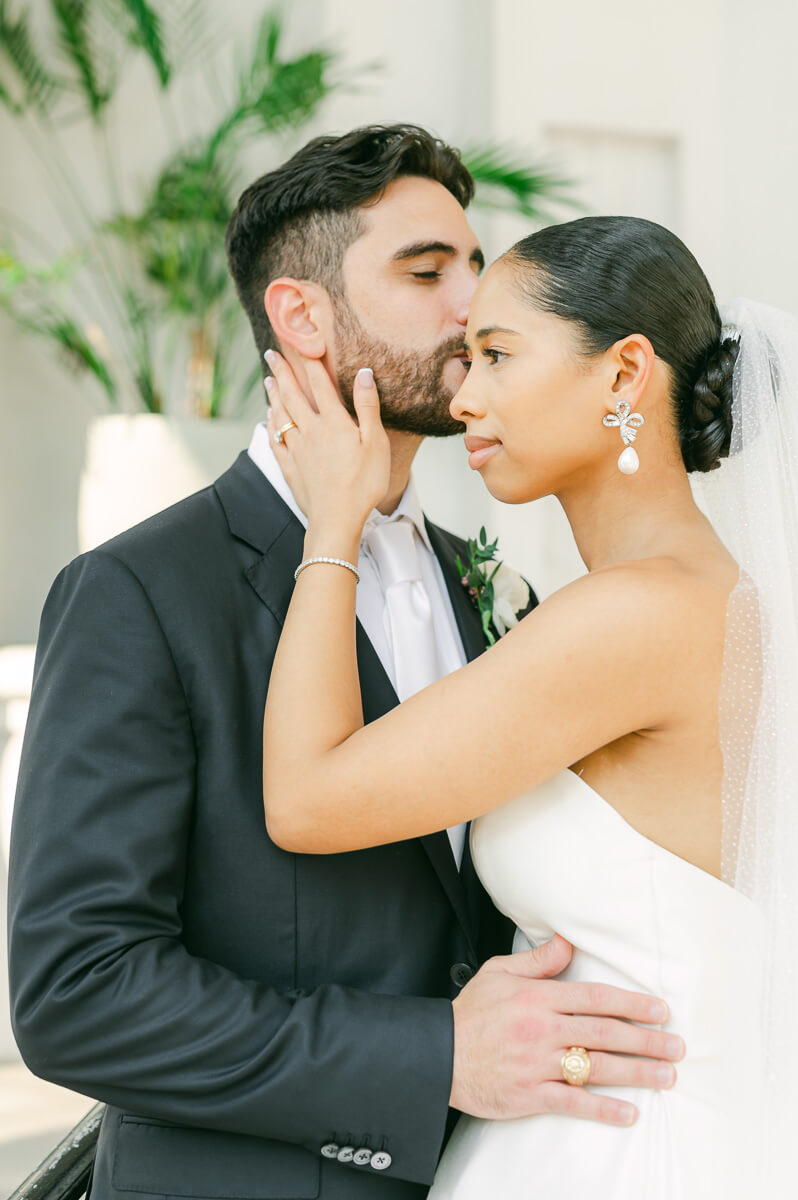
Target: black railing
x=64 y=1174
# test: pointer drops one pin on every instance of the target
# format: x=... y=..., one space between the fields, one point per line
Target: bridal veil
x=752 y=500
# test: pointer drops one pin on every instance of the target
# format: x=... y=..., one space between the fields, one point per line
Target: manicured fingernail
x=658 y=1013
x=268 y=383
x=627 y=1115
x=666 y=1076
x=270 y=356
x=365 y=377
x=674 y=1048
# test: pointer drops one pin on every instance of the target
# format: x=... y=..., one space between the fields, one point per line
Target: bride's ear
x=300 y=314
x=631 y=361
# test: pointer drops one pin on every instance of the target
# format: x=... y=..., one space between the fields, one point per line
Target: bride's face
x=529 y=394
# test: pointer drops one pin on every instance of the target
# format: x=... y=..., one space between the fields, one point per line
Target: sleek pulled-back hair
x=300 y=219
x=613 y=276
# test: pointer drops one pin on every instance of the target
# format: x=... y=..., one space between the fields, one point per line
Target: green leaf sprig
x=478 y=581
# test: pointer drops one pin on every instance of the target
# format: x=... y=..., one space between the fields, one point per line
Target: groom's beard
x=413 y=396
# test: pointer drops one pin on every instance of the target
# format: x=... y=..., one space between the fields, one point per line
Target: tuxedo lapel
x=469 y=623
x=258 y=516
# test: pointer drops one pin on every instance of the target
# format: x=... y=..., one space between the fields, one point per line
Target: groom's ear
x=300 y=313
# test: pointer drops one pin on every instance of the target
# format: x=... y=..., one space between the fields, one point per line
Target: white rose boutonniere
x=498 y=592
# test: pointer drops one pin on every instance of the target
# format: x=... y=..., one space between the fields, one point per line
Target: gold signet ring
x=576 y=1066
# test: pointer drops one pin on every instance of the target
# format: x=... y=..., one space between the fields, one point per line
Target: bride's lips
x=480 y=450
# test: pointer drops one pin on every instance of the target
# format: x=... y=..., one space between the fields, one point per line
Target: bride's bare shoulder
x=627 y=583
x=659 y=599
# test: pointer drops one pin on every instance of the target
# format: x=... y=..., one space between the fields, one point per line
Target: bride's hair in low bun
x=613 y=276
x=705 y=425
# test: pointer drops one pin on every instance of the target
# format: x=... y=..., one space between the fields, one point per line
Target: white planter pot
x=136 y=465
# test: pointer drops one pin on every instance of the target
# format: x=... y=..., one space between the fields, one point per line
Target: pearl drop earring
x=629 y=424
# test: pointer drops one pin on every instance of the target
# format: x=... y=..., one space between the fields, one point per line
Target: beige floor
x=34 y=1116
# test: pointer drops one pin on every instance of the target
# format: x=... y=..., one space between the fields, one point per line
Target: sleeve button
x=381 y=1161
x=362 y=1157
x=346 y=1154
x=461 y=973
x=330 y=1150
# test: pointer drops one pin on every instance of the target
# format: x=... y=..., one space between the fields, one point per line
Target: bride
x=626 y=751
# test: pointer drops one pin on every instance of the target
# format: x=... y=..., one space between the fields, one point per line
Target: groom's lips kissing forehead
x=480 y=450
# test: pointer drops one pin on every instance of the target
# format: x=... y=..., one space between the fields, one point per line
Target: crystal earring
x=629 y=424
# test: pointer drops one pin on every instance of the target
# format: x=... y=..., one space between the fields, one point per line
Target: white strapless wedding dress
x=562 y=859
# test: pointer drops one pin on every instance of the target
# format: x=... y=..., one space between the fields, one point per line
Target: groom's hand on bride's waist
x=513 y=1024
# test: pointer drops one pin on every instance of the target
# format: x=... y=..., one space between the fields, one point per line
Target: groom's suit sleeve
x=106 y=999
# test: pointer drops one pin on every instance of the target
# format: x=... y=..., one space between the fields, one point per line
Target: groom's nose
x=461 y=315
x=467 y=285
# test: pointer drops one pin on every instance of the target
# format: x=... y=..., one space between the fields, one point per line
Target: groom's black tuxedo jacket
x=236 y=1006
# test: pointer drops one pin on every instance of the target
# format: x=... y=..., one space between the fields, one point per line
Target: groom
x=262 y=1024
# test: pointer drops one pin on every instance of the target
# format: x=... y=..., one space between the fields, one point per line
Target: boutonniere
x=499 y=593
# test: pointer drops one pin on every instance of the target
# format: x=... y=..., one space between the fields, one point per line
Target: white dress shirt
x=370 y=592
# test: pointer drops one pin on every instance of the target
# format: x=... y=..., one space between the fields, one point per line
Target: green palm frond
x=195 y=184
x=29 y=295
x=294 y=92
x=8 y=101
x=268 y=39
x=77 y=41
x=182 y=258
x=190 y=30
x=179 y=234
x=16 y=275
x=79 y=352
x=505 y=181
x=275 y=94
x=39 y=88
x=227 y=325
x=142 y=27
x=140 y=318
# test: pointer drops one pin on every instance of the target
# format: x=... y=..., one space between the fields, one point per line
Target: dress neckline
x=621 y=819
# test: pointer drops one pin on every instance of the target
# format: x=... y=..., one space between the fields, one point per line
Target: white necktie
x=408 y=613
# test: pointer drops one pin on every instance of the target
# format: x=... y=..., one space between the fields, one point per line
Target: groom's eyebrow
x=416 y=249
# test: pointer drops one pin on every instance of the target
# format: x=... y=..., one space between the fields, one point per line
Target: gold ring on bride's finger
x=576 y=1066
x=282 y=431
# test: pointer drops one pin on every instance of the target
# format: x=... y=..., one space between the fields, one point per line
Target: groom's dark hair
x=300 y=219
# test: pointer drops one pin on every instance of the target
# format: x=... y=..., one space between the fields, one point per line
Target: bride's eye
x=488 y=353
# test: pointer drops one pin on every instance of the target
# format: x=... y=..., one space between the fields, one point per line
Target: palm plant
x=158 y=273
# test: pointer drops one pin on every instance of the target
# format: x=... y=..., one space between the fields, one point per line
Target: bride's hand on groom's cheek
x=513 y=1024
x=337 y=468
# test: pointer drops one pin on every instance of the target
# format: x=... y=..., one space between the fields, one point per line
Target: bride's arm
x=580 y=671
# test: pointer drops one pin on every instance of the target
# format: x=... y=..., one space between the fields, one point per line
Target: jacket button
x=362 y=1157
x=461 y=973
x=346 y=1154
x=330 y=1150
x=381 y=1161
